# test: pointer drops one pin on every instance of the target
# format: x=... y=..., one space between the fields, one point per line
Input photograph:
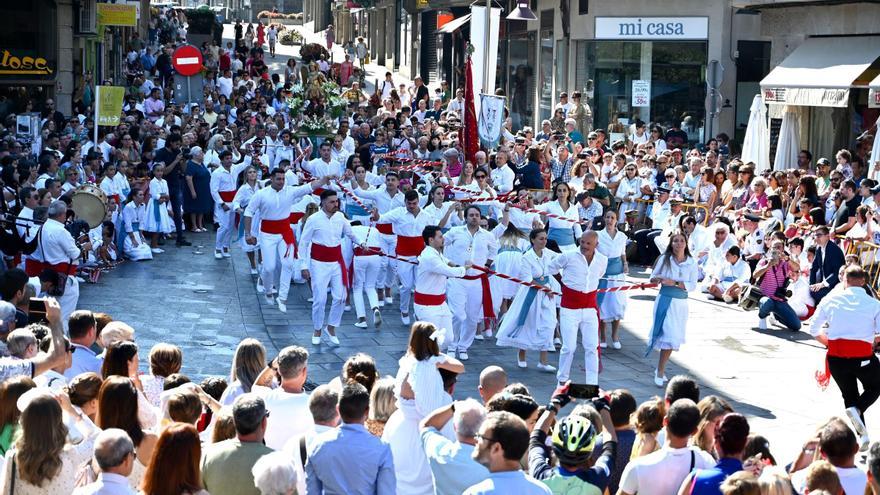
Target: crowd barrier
x=700 y=212
x=867 y=253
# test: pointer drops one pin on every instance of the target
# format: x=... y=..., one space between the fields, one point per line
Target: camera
x=185 y=151
x=783 y=292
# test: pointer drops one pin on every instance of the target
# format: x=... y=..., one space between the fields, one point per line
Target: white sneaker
x=404 y=319
x=218 y=255
x=361 y=324
x=522 y=364
x=156 y=251
x=226 y=253
x=616 y=344
x=333 y=339
x=254 y=271
x=603 y=345
x=762 y=324
x=316 y=339
x=269 y=298
x=381 y=302
x=479 y=336
x=462 y=355
x=659 y=380
x=260 y=288
x=488 y=333
x=852 y=413
x=377 y=318
x=282 y=306
x=389 y=300
x=347 y=308
x=557 y=341
x=546 y=368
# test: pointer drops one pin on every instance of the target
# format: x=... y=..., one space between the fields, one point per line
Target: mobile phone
x=37 y=310
x=583 y=391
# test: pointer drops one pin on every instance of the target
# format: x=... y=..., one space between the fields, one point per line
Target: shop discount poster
x=491 y=119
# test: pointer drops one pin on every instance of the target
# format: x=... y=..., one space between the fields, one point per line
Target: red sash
x=385 y=228
x=34 y=267
x=409 y=246
x=488 y=309
x=114 y=197
x=359 y=251
x=227 y=196
x=843 y=348
x=429 y=299
x=318 y=191
x=330 y=254
x=575 y=299
x=295 y=217
x=282 y=227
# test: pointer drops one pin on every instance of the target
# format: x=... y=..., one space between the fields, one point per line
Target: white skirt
x=536 y=333
x=507 y=263
x=141 y=252
x=674 y=327
x=163 y=224
x=613 y=304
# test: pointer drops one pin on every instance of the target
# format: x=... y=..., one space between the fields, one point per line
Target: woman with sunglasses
x=628 y=190
x=656 y=141
x=562 y=231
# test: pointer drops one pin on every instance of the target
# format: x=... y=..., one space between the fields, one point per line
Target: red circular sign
x=187 y=60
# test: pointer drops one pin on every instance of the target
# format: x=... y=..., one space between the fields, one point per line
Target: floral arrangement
x=294 y=105
x=315 y=126
x=291 y=37
x=337 y=106
x=330 y=87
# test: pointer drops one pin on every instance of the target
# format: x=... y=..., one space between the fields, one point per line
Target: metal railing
x=700 y=212
x=867 y=253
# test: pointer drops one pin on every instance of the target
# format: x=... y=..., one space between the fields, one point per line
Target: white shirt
x=853 y=480
x=290 y=416
x=851 y=314
x=462 y=246
x=275 y=205
x=572 y=212
x=577 y=273
x=663 y=471
x=56 y=244
x=326 y=231
x=319 y=168
x=224 y=86
x=223 y=180
x=283 y=152
x=436 y=214
x=106 y=484
x=405 y=223
x=384 y=201
x=83 y=360
x=433 y=270
x=368 y=236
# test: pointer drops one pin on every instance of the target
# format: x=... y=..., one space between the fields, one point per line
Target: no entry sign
x=187 y=60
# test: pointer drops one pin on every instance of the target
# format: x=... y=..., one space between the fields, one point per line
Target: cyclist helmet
x=573 y=440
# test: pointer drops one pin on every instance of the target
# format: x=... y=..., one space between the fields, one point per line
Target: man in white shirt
x=581 y=271
x=502 y=175
x=115 y=455
x=387 y=86
x=224 y=185
x=324 y=165
x=469 y=297
x=853 y=318
x=839 y=447
x=224 y=84
x=662 y=472
x=321 y=239
x=563 y=104
x=457 y=104
x=285 y=398
x=386 y=199
x=273 y=205
x=82 y=329
x=430 y=287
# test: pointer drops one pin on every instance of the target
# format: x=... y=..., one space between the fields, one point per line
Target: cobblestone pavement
x=207 y=306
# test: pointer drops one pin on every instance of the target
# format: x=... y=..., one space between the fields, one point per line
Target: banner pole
x=97 y=104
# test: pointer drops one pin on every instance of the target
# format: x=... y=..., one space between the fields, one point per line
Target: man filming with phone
x=42 y=362
x=774 y=272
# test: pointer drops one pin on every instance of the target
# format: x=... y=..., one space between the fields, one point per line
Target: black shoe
x=184 y=242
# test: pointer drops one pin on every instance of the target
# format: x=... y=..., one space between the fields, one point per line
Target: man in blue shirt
x=330 y=468
x=453 y=467
x=730 y=442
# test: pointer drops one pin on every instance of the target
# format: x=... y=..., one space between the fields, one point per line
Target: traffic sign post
x=187 y=61
x=714 y=77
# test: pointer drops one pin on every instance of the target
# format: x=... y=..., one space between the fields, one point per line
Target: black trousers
x=646 y=249
x=849 y=372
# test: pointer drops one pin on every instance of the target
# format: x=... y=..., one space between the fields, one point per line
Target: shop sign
x=652 y=28
x=113 y=14
x=641 y=93
x=15 y=64
x=809 y=97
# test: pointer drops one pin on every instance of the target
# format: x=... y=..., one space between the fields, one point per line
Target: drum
x=750 y=297
x=89 y=203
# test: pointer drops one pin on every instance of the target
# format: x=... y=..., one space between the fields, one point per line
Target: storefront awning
x=455 y=24
x=874 y=93
x=821 y=71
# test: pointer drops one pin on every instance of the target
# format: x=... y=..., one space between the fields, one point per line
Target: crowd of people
x=523 y=244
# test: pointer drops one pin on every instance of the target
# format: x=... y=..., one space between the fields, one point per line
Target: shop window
x=583 y=7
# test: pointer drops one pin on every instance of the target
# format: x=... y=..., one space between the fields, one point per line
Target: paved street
x=207 y=306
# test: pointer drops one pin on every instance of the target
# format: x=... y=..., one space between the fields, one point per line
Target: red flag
x=469 y=139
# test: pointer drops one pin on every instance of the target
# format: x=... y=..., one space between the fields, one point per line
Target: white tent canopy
x=756 y=145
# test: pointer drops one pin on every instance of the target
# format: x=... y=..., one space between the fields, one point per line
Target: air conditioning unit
x=87 y=17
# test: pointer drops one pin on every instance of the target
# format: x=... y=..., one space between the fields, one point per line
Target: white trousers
x=324 y=275
x=278 y=263
x=406 y=273
x=69 y=300
x=441 y=317
x=585 y=322
x=225 y=226
x=389 y=266
x=366 y=271
x=466 y=303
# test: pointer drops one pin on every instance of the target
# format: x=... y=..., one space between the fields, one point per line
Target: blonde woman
x=382 y=405
x=248 y=362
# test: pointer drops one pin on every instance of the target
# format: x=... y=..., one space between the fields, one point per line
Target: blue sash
x=240 y=228
x=615 y=267
x=156 y=213
x=484 y=210
x=563 y=237
x=509 y=249
x=661 y=308
x=353 y=209
x=728 y=279
x=527 y=303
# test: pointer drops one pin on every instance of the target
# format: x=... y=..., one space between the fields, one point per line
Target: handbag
x=58 y=289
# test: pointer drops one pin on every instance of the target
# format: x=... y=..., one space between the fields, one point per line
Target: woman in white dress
x=629 y=190
x=135 y=246
x=419 y=390
x=563 y=232
x=239 y=203
x=612 y=305
x=512 y=244
x=353 y=210
x=529 y=323
x=443 y=214
x=158 y=222
x=676 y=272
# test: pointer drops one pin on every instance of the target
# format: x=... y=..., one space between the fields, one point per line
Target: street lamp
x=522 y=12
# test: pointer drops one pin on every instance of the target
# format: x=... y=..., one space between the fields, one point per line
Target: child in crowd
x=649 y=421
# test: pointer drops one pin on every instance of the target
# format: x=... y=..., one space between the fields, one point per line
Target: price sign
x=641 y=93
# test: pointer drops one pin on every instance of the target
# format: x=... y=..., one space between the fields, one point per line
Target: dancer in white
x=158 y=221
x=676 y=272
x=134 y=215
x=563 y=232
x=386 y=199
x=469 y=243
x=581 y=271
x=430 y=289
x=407 y=224
x=443 y=214
x=321 y=238
x=367 y=265
x=272 y=206
x=612 y=305
x=529 y=323
x=223 y=181
x=239 y=203
x=512 y=243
